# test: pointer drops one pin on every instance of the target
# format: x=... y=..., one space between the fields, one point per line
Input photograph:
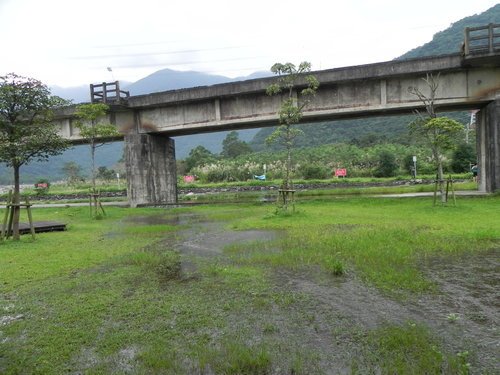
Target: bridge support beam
x=151 y=171
x=488 y=147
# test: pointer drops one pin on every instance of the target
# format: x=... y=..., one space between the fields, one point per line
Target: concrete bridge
x=466 y=81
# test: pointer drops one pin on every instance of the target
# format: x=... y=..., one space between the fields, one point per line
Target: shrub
x=463 y=157
x=387 y=165
x=314 y=172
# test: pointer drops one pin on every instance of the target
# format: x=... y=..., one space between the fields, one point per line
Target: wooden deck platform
x=42 y=226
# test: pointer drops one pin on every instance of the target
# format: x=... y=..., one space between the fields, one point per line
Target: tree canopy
x=26 y=130
x=232 y=146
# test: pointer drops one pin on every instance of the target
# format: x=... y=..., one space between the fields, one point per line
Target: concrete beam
x=488 y=147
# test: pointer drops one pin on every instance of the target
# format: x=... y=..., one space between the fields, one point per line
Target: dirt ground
x=335 y=313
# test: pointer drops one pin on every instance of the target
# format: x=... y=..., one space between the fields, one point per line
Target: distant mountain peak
x=169 y=79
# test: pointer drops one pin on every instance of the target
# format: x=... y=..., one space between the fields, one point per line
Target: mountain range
x=393 y=128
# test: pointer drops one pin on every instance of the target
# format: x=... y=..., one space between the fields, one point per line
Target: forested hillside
x=451 y=39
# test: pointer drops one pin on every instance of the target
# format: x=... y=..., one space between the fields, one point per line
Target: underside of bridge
x=151 y=168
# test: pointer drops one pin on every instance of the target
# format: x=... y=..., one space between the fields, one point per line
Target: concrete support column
x=488 y=147
x=151 y=171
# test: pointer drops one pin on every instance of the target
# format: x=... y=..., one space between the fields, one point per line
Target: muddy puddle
x=162 y=219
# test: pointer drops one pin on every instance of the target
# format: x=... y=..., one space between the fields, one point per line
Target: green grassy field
x=114 y=296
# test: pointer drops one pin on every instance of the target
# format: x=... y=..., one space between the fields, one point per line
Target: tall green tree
x=26 y=129
x=297 y=88
x=233 y=147
x=441 y=134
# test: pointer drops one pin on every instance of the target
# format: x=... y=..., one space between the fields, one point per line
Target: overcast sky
x=73 y=42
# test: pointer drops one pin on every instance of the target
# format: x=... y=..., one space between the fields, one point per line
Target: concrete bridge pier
x=488 y=147
x=151 y=170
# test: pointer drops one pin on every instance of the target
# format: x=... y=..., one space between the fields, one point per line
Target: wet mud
x=463 y=314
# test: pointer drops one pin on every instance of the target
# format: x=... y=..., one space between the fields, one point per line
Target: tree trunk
x=441 y=181
x=92 y=155
x=440 y=175
x=16 y=200
x=288 y=160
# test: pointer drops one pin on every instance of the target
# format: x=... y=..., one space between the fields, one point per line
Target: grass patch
x=384 y=241
x=108 y=296
x=236 y=358
x=410 y=349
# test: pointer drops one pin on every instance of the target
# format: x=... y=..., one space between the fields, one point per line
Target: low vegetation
x=122 y=296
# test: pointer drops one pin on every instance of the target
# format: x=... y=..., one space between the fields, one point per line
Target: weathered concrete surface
x=488 y=146
x=151 y=170
x=365 y=90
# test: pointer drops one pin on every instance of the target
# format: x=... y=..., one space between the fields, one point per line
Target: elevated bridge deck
x=469 y=80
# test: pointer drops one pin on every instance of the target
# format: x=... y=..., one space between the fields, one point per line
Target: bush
x=314 y=172
x=463 y=157
x=387 y=165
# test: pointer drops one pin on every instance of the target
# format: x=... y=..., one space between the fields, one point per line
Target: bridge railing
x=482 y=40
x=108 y=92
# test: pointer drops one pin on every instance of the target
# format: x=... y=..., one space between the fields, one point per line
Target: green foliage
x=463 y=157
x=26 y=130
x=106 y=174
x=232 y=146
x=387 y=165
x=291 y=109
x=314 y=172
x=199 y=156
x=94 y=130
x=318 y=162
x=441 y=133
x=89 y=125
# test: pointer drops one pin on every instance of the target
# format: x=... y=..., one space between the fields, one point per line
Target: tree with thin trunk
x=94 y=130
x=97 y=133
x=26 y=129
x=297 y=88
x=441 y=134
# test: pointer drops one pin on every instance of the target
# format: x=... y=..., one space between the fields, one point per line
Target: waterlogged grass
x=383 y=241
x=110 y=296
x=409 y=349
